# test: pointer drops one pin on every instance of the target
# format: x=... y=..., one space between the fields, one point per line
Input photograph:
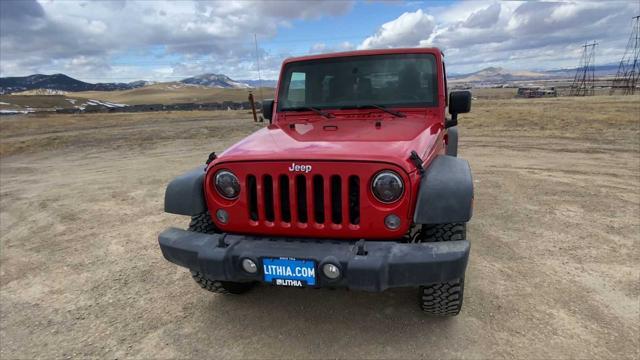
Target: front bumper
x=364 y=265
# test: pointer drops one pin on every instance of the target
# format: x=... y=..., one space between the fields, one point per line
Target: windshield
x=384 y=80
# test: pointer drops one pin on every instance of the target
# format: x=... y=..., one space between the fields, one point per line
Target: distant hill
x=261 y=83
x=599 y=70
x=175 y=92
x=215 y=81
x=502 y=75
x=497 y=74
x=50 y=84
x=60 y=82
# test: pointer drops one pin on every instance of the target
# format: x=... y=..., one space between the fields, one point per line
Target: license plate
x=289 y=272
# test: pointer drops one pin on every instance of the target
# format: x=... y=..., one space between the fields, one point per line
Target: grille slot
x=318 y=199
x=252 y=186
x=267 y=192
x=285 y=203
x=354 y=200
x=301 y=197
x=336 y=199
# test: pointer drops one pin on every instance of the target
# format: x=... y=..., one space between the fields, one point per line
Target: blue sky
x=169 y=40
x=363 y=20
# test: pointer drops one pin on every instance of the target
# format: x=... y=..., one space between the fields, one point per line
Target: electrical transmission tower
x=584 y=80
x=628 y=75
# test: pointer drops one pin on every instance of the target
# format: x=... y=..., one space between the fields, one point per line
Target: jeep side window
x=446 y=89
x=296 y=94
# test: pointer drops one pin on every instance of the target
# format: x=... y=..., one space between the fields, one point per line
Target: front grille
x=304 y=199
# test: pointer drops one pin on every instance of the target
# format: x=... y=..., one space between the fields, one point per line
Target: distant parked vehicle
x=536 y=92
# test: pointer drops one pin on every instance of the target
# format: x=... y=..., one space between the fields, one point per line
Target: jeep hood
x=380 y=139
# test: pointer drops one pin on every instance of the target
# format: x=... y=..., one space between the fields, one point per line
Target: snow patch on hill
x=105 y=103
x=42 y=92
x=215 y=81
x=15 y=112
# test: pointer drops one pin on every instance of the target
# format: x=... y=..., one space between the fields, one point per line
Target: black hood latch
x=417 y=161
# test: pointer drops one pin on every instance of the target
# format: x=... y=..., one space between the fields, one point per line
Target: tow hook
x=360 y=249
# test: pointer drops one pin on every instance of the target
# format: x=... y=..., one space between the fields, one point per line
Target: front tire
x=443 y=299
x=444 y=232
x=202 y=223
x=221 y=287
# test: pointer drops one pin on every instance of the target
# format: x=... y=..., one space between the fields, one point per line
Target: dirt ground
x=553 y=271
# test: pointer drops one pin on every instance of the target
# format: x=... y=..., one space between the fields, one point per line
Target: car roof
x=434 y=51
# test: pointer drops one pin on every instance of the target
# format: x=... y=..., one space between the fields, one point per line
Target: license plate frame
x=287 y=271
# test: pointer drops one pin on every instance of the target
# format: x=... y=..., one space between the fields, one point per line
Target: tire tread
x=202 y=223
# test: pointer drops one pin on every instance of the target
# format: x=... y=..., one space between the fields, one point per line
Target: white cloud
x=319 y=48
x=483 y=18
x=82 y=37
x=164 y=40
x=407 y=30
x=514 y=34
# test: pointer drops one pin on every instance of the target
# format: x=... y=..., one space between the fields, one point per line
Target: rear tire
x=443 y=299
x=202 y=223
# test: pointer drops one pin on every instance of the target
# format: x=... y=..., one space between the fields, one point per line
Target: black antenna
x=255 y=40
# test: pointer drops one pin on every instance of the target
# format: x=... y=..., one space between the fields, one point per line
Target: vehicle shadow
x=316 y=321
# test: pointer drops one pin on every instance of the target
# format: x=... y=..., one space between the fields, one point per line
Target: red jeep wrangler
x=354 y=183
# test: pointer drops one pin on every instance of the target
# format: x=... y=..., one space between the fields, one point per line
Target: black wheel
x=202 y=223
x=444 y=232
x=221 y=287
x=443 y=299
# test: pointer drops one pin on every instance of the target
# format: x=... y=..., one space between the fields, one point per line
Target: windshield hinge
x=212 y=157
x=417 y=161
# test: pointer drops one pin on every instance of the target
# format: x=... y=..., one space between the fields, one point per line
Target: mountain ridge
x=59 y=82
x=41 y=83
x=62 y=82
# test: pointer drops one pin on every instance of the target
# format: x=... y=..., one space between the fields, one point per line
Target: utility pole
x=628 y=76
x=584 y=80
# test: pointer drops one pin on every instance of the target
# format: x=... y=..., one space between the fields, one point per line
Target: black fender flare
x=185 y=193
x=446 y=192
x=452 y=141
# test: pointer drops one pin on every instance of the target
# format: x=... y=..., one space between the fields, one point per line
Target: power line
x=628 y=75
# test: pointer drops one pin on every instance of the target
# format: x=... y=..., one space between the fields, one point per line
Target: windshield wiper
x=375 y=106
x=328 y=115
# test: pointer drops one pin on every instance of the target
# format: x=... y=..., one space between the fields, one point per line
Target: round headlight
x=387 y=186
x=227 y=184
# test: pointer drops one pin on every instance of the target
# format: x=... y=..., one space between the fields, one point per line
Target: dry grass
x=600 y=119
x=38 y=101
x=47 y=132
x=164 y=94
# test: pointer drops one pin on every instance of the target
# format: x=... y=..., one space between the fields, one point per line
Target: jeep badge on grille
x=301 y=168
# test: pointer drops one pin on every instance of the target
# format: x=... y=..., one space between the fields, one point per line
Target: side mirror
x=459 y=103
x=267 y=109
